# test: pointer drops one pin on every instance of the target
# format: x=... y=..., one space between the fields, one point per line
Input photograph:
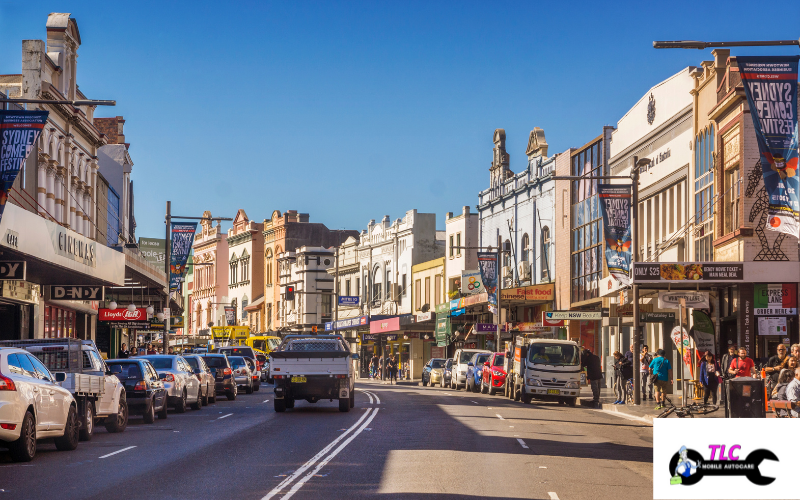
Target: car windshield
x=437 y=363
x=192 y=362
x=481 y=359
x=554 y=354
x=125 y=370
x=236 y=362
x=465 y=357
x=498 y=360
x=161 y=363
x=215 y=361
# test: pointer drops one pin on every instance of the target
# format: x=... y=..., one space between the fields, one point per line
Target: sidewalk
x=377 y=381
x=646 y=411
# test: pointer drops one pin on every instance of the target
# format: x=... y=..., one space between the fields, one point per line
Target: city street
x=398 y=442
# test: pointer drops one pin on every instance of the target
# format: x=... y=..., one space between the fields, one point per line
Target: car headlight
x=572 y=385
x=497 y=372
x=535 y=382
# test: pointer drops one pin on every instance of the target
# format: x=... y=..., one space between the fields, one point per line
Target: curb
x=612 y=408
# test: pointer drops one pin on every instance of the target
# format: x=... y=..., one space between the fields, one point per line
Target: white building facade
x=307 y=271
x=462 y=230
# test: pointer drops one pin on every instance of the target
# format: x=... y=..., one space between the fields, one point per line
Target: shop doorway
x=728 y=334
x=367 y=351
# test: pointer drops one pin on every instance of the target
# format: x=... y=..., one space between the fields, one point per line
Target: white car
x=33 y=407
x=179 y=380
x=461 y=358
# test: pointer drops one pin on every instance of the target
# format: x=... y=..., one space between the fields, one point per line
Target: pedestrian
x=709 y=377
x=380 y=368
x=777 y=363
x=170 y=351
x=742 y=366
x=123 y=351
x=779 y=392
x=795 y=351
x=393 y=369
x=726 y=361
x=644 y=368
x=791 y=365
x=150 y=349
x=793 y=392
x=618 y=381
x=662 y=377
x=594 y=374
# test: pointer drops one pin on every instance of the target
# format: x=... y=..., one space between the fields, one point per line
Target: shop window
x=526 y=248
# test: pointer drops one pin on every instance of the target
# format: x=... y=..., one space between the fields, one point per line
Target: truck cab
x=547 y=369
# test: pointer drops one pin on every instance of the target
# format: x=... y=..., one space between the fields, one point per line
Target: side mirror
x=61 y=376
x=470 y=364
x=198 y=371
x=354 y=355
x=162 y=376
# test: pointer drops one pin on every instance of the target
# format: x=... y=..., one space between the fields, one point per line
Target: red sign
x=551 y=322
x=384 y=325
x=122 y=314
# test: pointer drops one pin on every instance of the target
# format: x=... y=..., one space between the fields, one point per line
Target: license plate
x=553 y=391
x=299 y=380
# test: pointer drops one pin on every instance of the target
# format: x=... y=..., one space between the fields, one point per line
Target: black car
x=223 y=375
x=144 y=391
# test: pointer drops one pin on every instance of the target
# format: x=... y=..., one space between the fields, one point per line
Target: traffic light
x=314 y=329
x=290 y=292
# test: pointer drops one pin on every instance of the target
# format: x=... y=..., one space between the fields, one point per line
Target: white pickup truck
x=78 y=367
x=313 y=367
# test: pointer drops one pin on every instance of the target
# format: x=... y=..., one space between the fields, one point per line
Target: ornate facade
x=210 y=294
x=246 y=270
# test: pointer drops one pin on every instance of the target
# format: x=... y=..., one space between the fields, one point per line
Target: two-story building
x=246 y=270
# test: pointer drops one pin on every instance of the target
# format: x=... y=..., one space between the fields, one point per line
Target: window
x=358 y=285
x=112 y=225
x=268 y=268
x=347 y=287
x=546 y=253
x=244 y=304
x=327 y=300
x=452 y=247
x=526 y=248
x=405 y=286
x=376 y=287
x=417 y=294
x=507 y=253
x=704 y=194
x=388 y=285
x=437 y=290
x=269 y=317
x=586 y=224
x=458 y=244
x=732 y=200
x=246 y=270
x=428 y=290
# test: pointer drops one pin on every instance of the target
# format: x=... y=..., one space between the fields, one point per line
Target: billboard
x=153 y=250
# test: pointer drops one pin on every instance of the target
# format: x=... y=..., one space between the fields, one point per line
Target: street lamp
x=694 y=44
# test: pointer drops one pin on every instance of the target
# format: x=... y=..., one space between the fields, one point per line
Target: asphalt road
x=398 y=442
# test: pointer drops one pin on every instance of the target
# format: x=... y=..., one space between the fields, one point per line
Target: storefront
x=351 y=329
x=411 y=341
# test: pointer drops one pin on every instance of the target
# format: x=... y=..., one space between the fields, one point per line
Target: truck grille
x=557 y=383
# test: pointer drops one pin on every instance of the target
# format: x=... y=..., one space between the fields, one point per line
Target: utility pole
x=167 y=261
x=637 y=350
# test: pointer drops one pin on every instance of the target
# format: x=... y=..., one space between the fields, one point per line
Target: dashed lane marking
x=522 y=443
x=118 y=451
x=498 y=416
x=266 y=400
x=553 y=495
x=225 y=416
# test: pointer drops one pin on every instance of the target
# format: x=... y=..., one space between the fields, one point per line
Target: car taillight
x=227 y=371
x=341 y=376
x=8 y=427
x=168 y=377
x=140 y=386
x=255 y=377
x=6 y=384
x=276 y=369
x=278 y=376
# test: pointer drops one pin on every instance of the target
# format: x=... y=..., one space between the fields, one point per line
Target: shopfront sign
x=529 y=293
x=656 y=317
x=133 y=325
x=615 y=206
x=471 y=282
x=770 y=84
x=419 y=318
x=489 y=328
x=443 y=308
x=68 y=292
x=443 y=329
x=369 y=337
x=19 y=290
x=174 y=322
x=74 y=246
x=626 y=310
x=122 y=314
x=531 y=327
x=552 y=322
x=574 y=315
x=385 y=325
x=19 y=131
x=672 y=300
x=347 y=323
x=649 y=272
x=348 y=300
x=12 y=270
x=775 y=299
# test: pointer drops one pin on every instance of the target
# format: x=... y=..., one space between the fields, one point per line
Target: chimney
x=448 y=215
x=32 y=54
x=465 y=210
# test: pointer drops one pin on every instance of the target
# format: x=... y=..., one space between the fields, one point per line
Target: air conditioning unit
x=508 y=272
x=524 y=271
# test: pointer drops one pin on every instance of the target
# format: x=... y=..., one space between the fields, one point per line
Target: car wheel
x=353 y=398
x=280 y=405
x=424 y=382
x=475 y=387
x=517 y=390
x=257 y=386
x=289 y=402
x=213 y=398
x=249 y=389
x=88 y=422
x=69 y=441
x=198 y=405
x=572 y=401
x=231 y=395
x=118 y=422
x=24 y=448
x=150 y=412
x=181 y=406
x=205 y=398
x=162 y=414
x=344 y=405
x=489 y=389
x=526 y=398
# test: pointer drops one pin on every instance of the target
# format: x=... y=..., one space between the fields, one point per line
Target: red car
x=494 y=374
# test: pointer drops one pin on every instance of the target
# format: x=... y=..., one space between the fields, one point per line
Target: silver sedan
x=242 y=373
x=179 y=380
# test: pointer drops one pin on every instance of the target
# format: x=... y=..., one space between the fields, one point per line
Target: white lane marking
x=369 y=396
x=626 y=416
x=225 y=416
x=323 y=463
x=553 y=495
x=474 y=401
x=286 y=482
x=266 y=400
x=118 y=451
x=377 y=399
x=542 y=467
x=498 y=416
x=522 y=443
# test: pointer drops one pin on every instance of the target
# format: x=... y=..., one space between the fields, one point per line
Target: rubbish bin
x=744 y=398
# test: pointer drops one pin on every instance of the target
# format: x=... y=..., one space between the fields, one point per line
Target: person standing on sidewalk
x=662 y=376
x=618 y=382
x=644 y=368
x=709 y=377
x=793 y=393
x=742 y=366
x=726 y=363
x=594 y=374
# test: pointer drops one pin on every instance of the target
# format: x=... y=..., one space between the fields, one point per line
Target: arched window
x=268 y=268
x=545 y=253
x=376 y=284
x=526 y=248
x=507 y=253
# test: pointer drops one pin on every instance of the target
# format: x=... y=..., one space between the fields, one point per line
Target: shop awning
x=255 y=306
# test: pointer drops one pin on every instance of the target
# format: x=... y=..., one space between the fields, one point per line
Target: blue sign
x=182 y=240
x=487 y=263
x=458 y=312
x=19 y=131
x=615 y=204
x=343 y=324
x=348 y=300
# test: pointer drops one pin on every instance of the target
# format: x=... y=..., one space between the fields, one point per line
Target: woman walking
x=709 y=377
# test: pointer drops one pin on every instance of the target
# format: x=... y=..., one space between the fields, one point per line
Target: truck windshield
x=554 y=354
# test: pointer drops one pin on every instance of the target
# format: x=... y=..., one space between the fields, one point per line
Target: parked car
x=242 y=373
x=432 y=371
x=493 y=374
x=242 y=350
x=208 y=388
x=179 y=381
x=461 y=358
x=447 y=372
x=223 y=375
x=33 y=406
x=475 y=370
x=144 y=390
x=255 y=372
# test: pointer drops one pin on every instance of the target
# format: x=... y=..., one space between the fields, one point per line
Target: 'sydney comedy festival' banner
x=19 y=131
x=615 y=204
x=182 y=239
x=770 y=84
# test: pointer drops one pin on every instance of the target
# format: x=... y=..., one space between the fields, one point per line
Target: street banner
x=672 y=300
x=703 y=332
x=615 y=204
x=775 y=299
x=770 y=84
x=471 y=282
x=19 y=131
x=182 y=239
x=487 y=264
x=687 y=351
x=230 y=315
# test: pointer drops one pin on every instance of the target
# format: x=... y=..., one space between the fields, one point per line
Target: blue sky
x=353 y=110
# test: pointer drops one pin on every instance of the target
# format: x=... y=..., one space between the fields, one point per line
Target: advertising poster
x=703 y=332
x=487 y=263
x=687 y=351
x=182 y=239
x=775 y=299
x=230 y=315
x=615 y=205
x=770 y=84
x=471 y=282
x=19 y=131
x=153 y=250
x=772 y=325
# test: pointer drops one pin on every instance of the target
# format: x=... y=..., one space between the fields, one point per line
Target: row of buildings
x=69 y=219
x=402 y=282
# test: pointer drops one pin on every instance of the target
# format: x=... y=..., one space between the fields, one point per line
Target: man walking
x=724 y=365
x=662 y=376
x=742 y=366
x=594 y=374
x=644 y=368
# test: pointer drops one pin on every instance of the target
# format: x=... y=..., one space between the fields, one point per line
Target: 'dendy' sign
x=19 y=131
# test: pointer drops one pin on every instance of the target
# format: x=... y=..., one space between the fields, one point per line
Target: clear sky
x=350 y=110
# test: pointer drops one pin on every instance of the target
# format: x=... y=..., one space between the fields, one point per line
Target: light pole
x=694 y=44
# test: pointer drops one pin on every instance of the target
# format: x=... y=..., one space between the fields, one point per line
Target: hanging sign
x=576 y=315
x=487 y=263
x=770 y=84
x=12 y=270
x=443 y=329
x=672 y=300
x=615 y=204
x=122 y=314
x=348 y=300
x=775 y=300
x=471 y=282
x=703 y=331
x=182 y=239
x=19 y=131
x=230 y=315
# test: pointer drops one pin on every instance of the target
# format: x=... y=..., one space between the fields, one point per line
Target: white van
x=548 y=369
x=461 y=358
